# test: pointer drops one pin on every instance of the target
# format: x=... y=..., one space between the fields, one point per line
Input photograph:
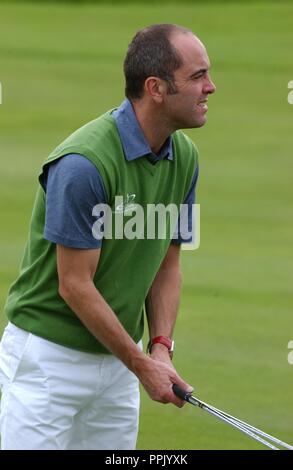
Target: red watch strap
x=162 y=340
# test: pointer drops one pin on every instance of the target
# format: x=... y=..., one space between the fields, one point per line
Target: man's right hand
x=158 y=378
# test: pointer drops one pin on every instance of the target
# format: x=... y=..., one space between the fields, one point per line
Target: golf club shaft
x=240 y=425
x=252 y=428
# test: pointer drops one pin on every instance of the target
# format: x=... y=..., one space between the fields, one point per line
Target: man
x=70 y=356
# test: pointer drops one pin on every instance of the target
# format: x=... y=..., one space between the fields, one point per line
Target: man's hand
x=157 y=377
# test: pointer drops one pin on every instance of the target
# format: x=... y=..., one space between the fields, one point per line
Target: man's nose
x=210 y=87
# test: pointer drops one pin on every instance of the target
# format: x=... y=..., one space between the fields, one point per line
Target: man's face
x=187 y=108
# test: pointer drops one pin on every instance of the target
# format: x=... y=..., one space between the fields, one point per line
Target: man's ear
x=155 y=87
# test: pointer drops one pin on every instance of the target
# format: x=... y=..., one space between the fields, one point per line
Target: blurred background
x=61 y=66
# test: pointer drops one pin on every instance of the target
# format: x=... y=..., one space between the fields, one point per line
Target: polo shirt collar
x=133 y=140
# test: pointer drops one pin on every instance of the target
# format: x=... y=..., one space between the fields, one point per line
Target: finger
x=184 y=385
x=176 y=400
x=185 y=388
x=173 y=398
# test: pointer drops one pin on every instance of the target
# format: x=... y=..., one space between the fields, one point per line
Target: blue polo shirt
x=74 y=186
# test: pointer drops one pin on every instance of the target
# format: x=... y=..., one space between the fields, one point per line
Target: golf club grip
x=180 y=393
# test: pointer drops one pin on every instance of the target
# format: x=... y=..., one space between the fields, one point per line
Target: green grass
x=61 y=66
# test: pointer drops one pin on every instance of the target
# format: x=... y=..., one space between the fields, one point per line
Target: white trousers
x=56 y=398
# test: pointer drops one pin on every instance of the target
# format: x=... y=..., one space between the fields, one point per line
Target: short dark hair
x=150 y=53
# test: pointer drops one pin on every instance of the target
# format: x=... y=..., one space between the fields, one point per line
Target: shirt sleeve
x=73 y=187
x=184 y=228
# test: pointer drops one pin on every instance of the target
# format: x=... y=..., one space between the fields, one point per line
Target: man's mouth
x=203 y=104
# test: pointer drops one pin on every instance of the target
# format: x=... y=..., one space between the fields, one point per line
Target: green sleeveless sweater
x=126 y=267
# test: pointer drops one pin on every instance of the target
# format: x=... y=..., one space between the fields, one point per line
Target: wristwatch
x=169 y=343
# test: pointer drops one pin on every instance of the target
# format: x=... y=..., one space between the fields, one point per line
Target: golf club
x=246 y=428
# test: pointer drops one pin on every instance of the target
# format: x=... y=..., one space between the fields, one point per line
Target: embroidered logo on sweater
x=127 y=205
